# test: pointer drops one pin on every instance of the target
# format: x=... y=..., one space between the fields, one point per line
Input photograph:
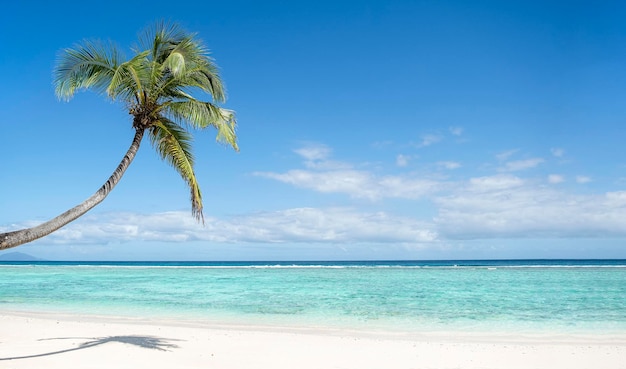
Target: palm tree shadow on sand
x=147 y=342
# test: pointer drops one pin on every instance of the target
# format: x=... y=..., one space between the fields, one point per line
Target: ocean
x=569 y=296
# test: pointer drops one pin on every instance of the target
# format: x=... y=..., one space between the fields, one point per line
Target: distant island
x=18 y=256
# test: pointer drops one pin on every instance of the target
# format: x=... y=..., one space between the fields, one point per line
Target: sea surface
x=569 y=296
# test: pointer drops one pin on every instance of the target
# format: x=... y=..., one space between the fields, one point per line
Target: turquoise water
x=567 y=296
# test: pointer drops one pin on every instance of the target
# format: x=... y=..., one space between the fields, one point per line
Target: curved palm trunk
x=22 y=236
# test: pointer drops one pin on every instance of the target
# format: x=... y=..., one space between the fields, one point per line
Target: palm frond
x=160 y=38
x=226 y=128
x=184 y=61
x=193 y=82
x=173 y=144
x=200 y=114
x=206 y=77
x=128 y=79
x=197 y=114
x=87 y=65
x=185 y=53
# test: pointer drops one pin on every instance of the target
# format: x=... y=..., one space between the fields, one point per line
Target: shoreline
x=477 y=333
x=56 y=340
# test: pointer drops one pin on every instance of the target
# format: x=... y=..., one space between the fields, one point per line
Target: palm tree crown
x=157 y=85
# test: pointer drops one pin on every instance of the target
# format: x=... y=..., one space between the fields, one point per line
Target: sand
x=41 y=340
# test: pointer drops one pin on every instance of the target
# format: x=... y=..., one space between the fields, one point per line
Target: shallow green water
x=521 y=298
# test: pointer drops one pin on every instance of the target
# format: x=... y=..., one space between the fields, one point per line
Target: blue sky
x=368 y=130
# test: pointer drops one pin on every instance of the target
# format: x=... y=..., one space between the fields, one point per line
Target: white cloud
x=427 y=140
x=555 y=178
x=356 y=183
x=402 y=160
x=617 y=198
x=583 y=179
x=111 y=227
x=334 y=225
x=316 y=157
x=517 y=165
x=491 y=183
x=508 y=212
x=493 y=206
x=505 y=155
x=449 y=164
x=509 y=207
x=353 y=182
x=335 y=177
x=299 y=225
x=489 y=207
x=314 y=152
x=406 y=187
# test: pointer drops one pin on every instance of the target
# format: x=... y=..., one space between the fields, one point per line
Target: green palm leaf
x=90 y=65
x=173 y=144
x=128 y=79
x=201 y=115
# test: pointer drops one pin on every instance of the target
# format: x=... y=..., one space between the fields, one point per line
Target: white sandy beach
x=29 y=340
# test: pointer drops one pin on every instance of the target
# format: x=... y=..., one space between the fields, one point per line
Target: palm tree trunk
x=22 y=236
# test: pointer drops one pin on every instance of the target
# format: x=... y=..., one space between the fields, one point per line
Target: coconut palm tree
x=157 y=85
